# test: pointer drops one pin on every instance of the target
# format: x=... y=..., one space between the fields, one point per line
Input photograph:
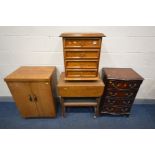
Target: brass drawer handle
x=132 y=86
x=126 y=102
x=129 y=94
x=117 y=85
x=113 y=94
x=124 y=109
x=111 y=101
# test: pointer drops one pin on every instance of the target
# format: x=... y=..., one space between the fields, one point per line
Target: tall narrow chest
x=81 y=55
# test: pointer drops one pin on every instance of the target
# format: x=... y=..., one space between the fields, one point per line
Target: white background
x=77 y=13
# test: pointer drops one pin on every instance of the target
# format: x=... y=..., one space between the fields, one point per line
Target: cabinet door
x=44 y=98
x=22 y=95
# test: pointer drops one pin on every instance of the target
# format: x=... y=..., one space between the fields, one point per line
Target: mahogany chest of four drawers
x=121 y=87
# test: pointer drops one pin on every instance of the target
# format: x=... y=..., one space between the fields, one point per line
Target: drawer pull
x=30 y=98
x=124 y=109
x=127 y=102
x=116 y=86
x=35 y=98
x=111 y=101
x=129 y=94
x=132 y=86
x=82 y=54
x=94 y=42
x=113 y=94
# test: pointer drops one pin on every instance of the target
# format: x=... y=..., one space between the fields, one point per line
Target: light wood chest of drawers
x=81 y=55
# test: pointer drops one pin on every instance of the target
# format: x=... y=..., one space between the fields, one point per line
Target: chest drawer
x=80 y=91
x=81 y=73
x=82 y=43
x=117 y=101
x=77 y=53
x=81 y=64
x=121 y=93
x=116 y=109
x=120 y=84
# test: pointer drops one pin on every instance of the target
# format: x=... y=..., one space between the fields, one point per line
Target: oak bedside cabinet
x=80 y=94
x=34 y=90
x=121 y=87
x=81 y=55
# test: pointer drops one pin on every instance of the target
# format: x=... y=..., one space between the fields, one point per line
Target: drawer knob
x=94 y=42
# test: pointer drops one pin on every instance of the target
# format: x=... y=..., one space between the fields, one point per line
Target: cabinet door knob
x=30 y=98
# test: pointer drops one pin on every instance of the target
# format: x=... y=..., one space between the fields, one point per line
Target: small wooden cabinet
x=81 y=55
x=121 y=87
x=77 y=93
x=34 y=90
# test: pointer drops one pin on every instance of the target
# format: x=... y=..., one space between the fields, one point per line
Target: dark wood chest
x=81 y=55
x=121 y=87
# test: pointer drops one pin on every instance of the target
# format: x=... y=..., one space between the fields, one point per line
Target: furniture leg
x=97 y=107
x=62 y=106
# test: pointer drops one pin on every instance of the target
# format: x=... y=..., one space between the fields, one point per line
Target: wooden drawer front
x=82 y=43
x=128 y=94
x=81 y=91
x=118 y=84
x=117 y=102
x=116 y=109
x=81 y=73
x=81 y=64
x=81 y=54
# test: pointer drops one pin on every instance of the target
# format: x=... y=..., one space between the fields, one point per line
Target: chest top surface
x=31 y=73
x=63 y=83
x=87 y=35
x=122 y=74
